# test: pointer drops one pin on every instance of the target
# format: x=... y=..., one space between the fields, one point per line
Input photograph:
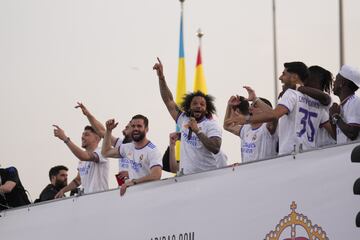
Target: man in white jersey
x=93 y=169
x=259 y=140
x=141 y=156
x=321 y=80
x=115 y=141
x=346 y=116
x=300 y=116
x=200 y=133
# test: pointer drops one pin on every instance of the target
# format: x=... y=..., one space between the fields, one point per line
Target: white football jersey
x=301 y=124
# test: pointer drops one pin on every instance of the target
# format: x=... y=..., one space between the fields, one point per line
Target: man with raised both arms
x=200 y=133
x=258 y=141
x=141 y=156
x=115 y=141
x=93 y=168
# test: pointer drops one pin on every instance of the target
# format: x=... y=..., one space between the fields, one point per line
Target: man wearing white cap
x=346 y=116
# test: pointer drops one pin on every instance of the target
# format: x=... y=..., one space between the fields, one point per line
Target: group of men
x=302 y=119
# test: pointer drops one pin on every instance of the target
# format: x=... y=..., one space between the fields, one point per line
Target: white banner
x=310 y=196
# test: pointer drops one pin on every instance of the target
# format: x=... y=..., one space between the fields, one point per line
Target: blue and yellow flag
x=181 y=81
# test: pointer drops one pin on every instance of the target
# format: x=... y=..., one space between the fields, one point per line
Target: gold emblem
x=297 y=222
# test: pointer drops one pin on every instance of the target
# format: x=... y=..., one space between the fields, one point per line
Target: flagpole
x=275 y=52
x=181 y=81
x=199 y=81
x=341 y=33
x=199 y=34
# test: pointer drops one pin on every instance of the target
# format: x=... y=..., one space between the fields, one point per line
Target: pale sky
x=101 y=52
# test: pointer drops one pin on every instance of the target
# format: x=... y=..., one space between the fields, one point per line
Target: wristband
x=67 y=140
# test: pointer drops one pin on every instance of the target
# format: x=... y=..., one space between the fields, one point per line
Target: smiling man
x=200 y=133
x=93 y=168
x=141 y=157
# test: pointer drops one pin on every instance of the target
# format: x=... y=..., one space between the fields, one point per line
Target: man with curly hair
x=200 y=133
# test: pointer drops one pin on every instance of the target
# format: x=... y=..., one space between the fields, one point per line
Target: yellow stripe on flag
x=199 y=83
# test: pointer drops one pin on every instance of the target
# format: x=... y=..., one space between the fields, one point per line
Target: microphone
x=190 y=133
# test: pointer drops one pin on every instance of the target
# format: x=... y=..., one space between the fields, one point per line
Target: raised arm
x=257 y=102
x=174 y=165
x=270 y=116
x=165 y=92
x=317 y=94
x=107 y=150
x=82 y=155
x=96 y=124
x=228 y=125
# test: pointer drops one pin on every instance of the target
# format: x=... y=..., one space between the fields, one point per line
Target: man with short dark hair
x=201 y=135
x=93 y=169
x=12 y=192
x=58 y=180
x=141 y=156
x=346 y=116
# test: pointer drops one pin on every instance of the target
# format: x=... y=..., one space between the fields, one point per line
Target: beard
x=138 y=136
x=60 y=184
x=198 y=115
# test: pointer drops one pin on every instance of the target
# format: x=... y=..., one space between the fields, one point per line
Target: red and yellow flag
x=199 y=83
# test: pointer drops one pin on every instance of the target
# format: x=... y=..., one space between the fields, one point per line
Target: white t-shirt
x=194 y=157
x=257 y=143
x=350 y=113
x=94 y=175
x=138 y=162
x=301 y=124
x=117 y=144
x=221 y=159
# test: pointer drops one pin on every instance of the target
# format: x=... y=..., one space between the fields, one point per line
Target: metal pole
x=275 y=53
x=341 y=33
x=199 y=34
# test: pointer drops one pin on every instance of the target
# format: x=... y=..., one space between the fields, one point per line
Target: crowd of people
x=304 y=118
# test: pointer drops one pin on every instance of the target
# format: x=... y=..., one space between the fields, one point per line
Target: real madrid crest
x=300 y=228
x=254 y=137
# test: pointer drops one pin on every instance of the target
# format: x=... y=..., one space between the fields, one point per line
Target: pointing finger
x=79 y=104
